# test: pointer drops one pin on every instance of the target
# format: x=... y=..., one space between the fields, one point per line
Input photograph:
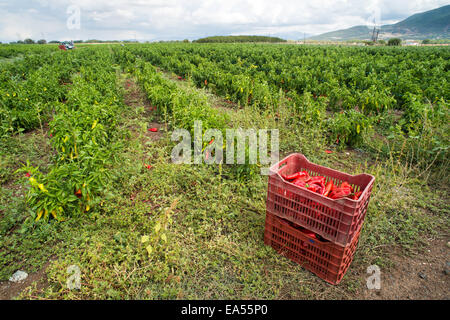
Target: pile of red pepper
x=307 y=232
x=317 y=184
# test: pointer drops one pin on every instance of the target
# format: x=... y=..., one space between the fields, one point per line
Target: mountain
x=433 y=24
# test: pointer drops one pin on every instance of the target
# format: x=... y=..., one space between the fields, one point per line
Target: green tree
x=29 y=41
x=42 y=41
x=426 y=41
x=394 y=42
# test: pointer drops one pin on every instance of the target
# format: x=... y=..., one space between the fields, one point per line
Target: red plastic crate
x=328 y=261
x=336 y=220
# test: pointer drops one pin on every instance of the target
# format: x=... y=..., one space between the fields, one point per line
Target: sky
x=154 y=20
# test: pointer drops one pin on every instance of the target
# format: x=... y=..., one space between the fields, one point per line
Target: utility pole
x=375 y=32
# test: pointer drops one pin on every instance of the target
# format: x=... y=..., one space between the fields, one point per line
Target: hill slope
x=432 y=24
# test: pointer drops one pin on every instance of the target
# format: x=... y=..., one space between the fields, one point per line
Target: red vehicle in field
x=66 y=45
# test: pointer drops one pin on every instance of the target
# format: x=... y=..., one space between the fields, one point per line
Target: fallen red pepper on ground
x=153 y=129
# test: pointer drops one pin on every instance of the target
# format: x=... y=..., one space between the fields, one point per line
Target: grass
x=214 y=247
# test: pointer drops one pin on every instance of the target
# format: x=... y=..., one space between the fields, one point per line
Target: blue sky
x=154 y=20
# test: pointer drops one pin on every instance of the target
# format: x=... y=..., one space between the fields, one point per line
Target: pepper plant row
x=30 y=88
x=361 y=87
x=85 y=138
x=181 y=107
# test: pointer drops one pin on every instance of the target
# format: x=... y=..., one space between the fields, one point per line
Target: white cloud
x=176 y=19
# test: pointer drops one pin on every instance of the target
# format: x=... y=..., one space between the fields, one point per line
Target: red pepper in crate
x=346 y=185
x=302 y=179
x=309 y=234
x=301 y=174
x=304 y=231
x=317 y=180
x=356 y=195
x=315 y=187
x=342 y=191
x=301 y=182
x=316 y=184
x=328 y=188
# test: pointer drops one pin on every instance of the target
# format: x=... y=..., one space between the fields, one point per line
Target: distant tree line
x=232 y=39
x=30 y=41
x=43 y=41
x=436 y=41
x=172 y=41
x=394 y=42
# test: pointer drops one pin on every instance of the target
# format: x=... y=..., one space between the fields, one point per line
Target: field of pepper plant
x=86 y=177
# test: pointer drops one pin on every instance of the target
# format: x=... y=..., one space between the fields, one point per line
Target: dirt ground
x=9 y=290
x=135 y=98
x=425 y=276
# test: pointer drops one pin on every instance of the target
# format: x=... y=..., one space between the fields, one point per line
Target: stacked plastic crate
x=318 y=232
